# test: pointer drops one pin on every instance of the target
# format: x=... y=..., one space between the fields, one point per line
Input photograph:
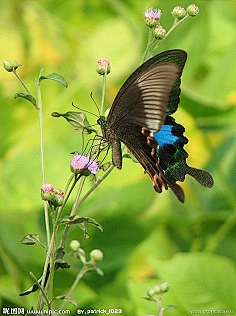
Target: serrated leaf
x=65 y=298
x=31 y=239
x=76 y=219
x=55 y=77
x=78 y=120
x=28 y=97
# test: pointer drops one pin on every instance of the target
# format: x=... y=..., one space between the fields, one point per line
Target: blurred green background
x=148 y=237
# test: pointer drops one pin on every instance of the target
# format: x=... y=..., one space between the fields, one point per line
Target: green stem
x=46 y=265
x=41 y=136
x=73 y=211
x=150 y=41
x=21 y=81
x=78 y=202
x=175 y=24
x=103 y=92
x=79 y=276
x=97 y=183
x=42 y=290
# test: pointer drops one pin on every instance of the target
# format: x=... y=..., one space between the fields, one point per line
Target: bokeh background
x=148 y=237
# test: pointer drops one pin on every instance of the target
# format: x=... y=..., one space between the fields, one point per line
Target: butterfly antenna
x=84 y=110
x=91 y=96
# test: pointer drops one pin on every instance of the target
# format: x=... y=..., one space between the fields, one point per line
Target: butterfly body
x=140 y=118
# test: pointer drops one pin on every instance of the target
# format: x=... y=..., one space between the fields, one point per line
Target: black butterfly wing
x=150 y=92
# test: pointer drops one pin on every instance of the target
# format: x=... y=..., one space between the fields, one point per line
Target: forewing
x=150 y=92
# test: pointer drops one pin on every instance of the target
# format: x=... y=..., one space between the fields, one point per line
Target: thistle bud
x=74 y=245
x=10 y=65
x=152 y=17
x=164 y=287
x=192 y=10
x=159 y=32
x=58 y=197
x=96 y=255
x=47 y=192
x=151 y=292
x=178 y=12
x=103 y=67
x=157 y=289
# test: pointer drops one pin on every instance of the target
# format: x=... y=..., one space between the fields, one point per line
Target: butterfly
x=140 y=117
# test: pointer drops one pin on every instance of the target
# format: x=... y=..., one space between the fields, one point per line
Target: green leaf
x=59 y=263
x=55 y=77
x=31 y=239
x=65 y=298
x=82 y=222
x=99 y=271
x=78 y=120
x=200 y=281
x=76 y=219
x=28 y=97
x=32 y=289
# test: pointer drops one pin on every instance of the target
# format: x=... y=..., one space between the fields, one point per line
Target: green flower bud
x=47 y=192
x=58 y=197
x=159 y=32
x=192 y=10
x=96 y=255
x=103 y=66
x=10 y=65
x=151 y=292
x=74 y=245
x=178 y=12
x=164 y=287
x=157 y=289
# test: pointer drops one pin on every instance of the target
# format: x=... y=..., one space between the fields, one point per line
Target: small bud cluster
x=152 y=19
x=157 y=290
x=179 y=12
x=84 y=165
x=54 y=196
x=95 y=256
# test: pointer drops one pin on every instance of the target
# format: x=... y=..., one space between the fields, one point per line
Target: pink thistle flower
x=82 y=164
x=152 y=17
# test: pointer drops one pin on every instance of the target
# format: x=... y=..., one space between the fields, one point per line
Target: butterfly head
x=102 y=122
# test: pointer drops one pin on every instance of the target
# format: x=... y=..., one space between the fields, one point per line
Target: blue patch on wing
x=165 y=136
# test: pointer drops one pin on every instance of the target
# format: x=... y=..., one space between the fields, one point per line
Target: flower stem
x=103 y=92
x=175 y=24
x=73 y=211
x=41 y=136
x=21 y=81
x=79 y=276
x=149 y=44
